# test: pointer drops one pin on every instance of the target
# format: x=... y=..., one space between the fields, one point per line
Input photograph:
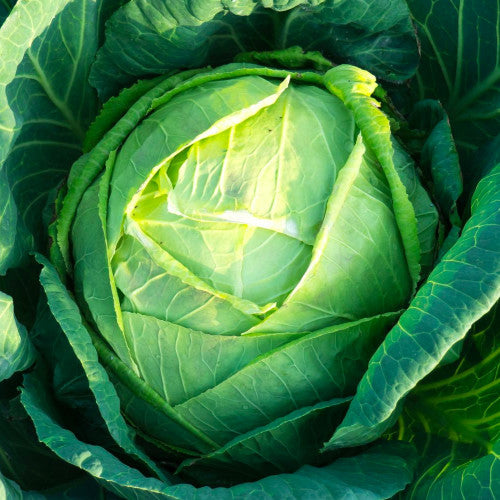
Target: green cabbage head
x=240 y=242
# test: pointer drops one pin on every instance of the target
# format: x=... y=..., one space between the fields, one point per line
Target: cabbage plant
x=250 y=249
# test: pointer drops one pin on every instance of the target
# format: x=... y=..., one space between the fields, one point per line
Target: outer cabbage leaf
x=438 y=157
x=23 y=458
x=489 y=153
x=452 y=470
x=41 y=136
x=376 y=35
x=67 y=314
x=439 y=161
x=378 y=473
x=460 y=65
x=453 y=418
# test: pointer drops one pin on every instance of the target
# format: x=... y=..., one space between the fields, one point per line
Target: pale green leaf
x=224 y=177
x=359 y=241
x=355 y=87
x=251 y=262
x=205 y=110
x=180 y=363
x=316 y=367
x=149 y=289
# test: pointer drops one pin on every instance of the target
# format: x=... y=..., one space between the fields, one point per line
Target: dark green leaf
x=378 y=473
x=68 y=316
x=22 y=458
x=438 y=157
x=377 y=35
x=41 y=135
x=460 y=64
x=5 y=8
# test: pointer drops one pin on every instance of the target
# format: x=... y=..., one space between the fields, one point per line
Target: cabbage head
x=241 y=255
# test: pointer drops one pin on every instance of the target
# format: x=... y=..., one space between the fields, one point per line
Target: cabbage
x=239 y=259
